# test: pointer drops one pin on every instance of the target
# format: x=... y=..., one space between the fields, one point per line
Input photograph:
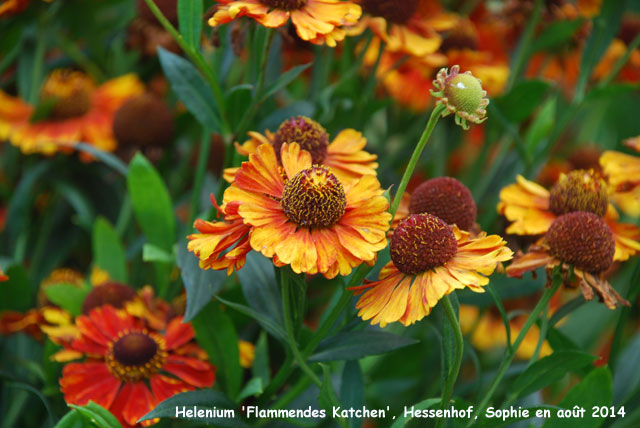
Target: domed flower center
x=398 y=12
x=69 y=91
x=144 y=120
x=110 y=293
x=460 y=38
x=464 y=92
x=579 y=190
x=308 y=133
x=582 y=239
x=136 y=355
x=285 y=4
x=446 y=198
x=314 y=198
x=422 y=242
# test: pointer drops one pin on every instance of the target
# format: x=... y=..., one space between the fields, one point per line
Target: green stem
x=195 y=56
x=288 y=325
x=278 y=380
x=203 y=157
x=455 y=368
x=511 y=352
x=522 y=52
x=415 y=157
x=124 y=216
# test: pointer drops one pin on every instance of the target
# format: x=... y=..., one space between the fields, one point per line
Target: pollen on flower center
x=582 y=239
x=135 y=356
x=579 y=190
x=308 y=133
x=422 y=242
x=285 y=4
x=446 y=198
x=398 y=12
x=314 y=198
x=70 y=91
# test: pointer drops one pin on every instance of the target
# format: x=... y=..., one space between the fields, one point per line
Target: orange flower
x=300 y=214
x=429 y=259
x=79 y=112
x=623 y=175
x=532 y=208
x=12 y=7
x=3 y=277
x=316 y=21
x=344 y=155
x=582 y=245
x=130 y=369
x=247 y=353
x=408 y=27
x=487 y=331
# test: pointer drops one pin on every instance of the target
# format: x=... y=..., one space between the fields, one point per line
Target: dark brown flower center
x=396 y=11
x=136 y=355
x=582 y=239
x=285 y=4
x=144 y=120
x=461 y=37
x=314 y=198
x=110 y=293
x=422 y=242
x=446 y=198
x=579 y=190
x=69 y=91
x=308 y=133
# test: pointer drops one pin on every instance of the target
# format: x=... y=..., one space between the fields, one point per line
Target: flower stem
x=288 y=325
x=415 y=157
x=455 y=368
x=203 y=157
x=195 y=56
x=511 y=352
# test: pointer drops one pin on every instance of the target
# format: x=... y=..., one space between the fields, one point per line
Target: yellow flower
x=429 y=259
x=532 y=209
x=623 y=175
x=79 y=112
x=301 y=214
x=247 y=353
x=316 y=21
x=344 y=155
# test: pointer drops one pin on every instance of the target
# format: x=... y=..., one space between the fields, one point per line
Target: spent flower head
x=462 y=95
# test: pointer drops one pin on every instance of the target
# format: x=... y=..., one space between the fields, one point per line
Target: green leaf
x=72 y=419
x=541 y=127
x=560 y=341
x=352 y=389
x=190 y=21
x=284 y=79
x=67 y=296
x=605 y=28
x=556 y=34
x=152 y=253
x=191 y=88
x=107 y=158
x=238 y=100
x=357 y=344
x=260 y=368
x=200 y=285
x=252 y=388
x=14 y=293
x=216 y=334
x=267 y=323
x=108 y=253
x=522 y=100
x=97 y=415
x=595 y=389
x=402 y=420
x=262 y=292
x=626 y=379
x=42 y=110
x=548 y=370
x=151 y=203
x=22 y=201
x=327 y=397
x=204 y=399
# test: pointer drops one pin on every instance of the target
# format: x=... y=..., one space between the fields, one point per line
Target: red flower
x=130 y=369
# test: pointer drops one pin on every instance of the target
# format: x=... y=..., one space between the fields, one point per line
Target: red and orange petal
x=487 y=331
x=51 y=136
x=345 y=154
x=526 y=205
x=3 y=277
x=12 y=7
x=409 y=298
x=318 y=21
x=356 y=237
x=623 y=176
x=129 y=401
